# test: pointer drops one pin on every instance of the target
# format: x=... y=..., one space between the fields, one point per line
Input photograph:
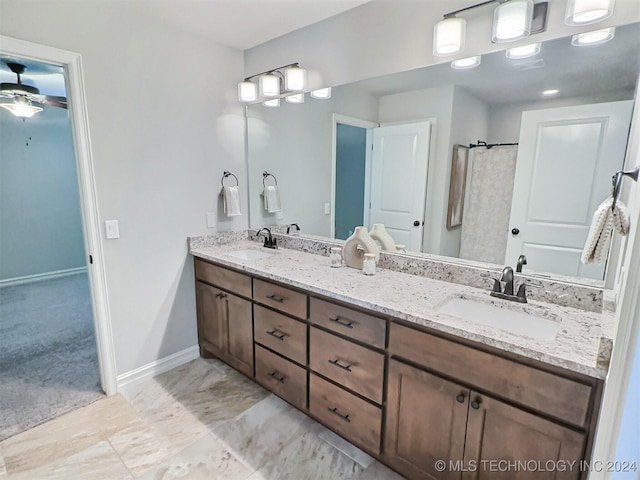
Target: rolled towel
x=231 y=201
x=272 y=202
x=604 y=221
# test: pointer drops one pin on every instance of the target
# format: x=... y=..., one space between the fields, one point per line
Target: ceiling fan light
x=21 y=107
x=584 y=12
x=269 y=85
x=524 y=51
x=594 y=37
x=465 y=63
x=247 y=92
x=512 y=21
x=321 y=93
x=295 y=79
x=449 y=36
x=297 y=98
x=273 y=103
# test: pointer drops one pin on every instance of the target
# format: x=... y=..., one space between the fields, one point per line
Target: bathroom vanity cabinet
x=405 y=394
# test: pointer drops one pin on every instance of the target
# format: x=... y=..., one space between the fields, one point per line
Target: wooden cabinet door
x=426 y=421
x=499 y=435
x=211 y=318
x=238 y=327
x=225 y=326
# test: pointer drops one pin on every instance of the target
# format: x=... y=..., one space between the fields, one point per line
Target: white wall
x=383 y=37
x=294 y=143
x=164 y=124
x=40 y=223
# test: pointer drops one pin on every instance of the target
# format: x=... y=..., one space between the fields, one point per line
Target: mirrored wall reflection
x=570 y=139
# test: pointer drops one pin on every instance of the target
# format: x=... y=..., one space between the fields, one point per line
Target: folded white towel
x=231 y=201
x=272 y=202
x=604 y=221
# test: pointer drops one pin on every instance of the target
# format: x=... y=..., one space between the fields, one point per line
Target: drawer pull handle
x=221 y=295
x=340 y=321
x=344 y=416
x=476 y=403
x=277 y=334
x=337 y=363
x=277 y=376
x=460 y=398
x=275 y=298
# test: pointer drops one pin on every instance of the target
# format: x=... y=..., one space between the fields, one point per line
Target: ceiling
x=241 y=24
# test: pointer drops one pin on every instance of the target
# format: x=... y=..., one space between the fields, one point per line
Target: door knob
x=515 y=231
x=416 y=223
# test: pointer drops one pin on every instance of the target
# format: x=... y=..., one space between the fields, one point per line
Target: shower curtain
x=485 y=225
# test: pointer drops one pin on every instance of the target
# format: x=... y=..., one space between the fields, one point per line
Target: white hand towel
x=231 y=201
x=604 y=221
x=272 y=202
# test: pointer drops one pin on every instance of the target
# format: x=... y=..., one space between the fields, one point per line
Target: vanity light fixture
x=584 y=12
x=322 y=93
x=273 y=103
x=524 y=51
x=512 y=21
x=21 y=107
x=449 y=36
x=594 y=37
x=295 y=79
x=465 y=63
x=273 y=83
x=550 y=91
x=297 y=98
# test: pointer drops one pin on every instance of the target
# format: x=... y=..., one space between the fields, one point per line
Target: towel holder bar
x=488 y=146
x=616 y=181
x=266 y=175
x=228 y=174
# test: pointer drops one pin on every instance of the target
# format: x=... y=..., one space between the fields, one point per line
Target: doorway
x=71 y=64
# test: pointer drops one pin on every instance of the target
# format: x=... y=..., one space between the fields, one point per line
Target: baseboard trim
x=158 y=367
x=39 y=277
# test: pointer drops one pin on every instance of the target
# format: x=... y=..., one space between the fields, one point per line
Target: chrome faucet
x=269 y=241
x=289 y=227
x=507 y=278
x=522 y=260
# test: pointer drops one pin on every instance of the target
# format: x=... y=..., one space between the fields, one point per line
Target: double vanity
x=410 y=369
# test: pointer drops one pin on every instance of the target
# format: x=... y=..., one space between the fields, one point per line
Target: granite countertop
x=576 y=346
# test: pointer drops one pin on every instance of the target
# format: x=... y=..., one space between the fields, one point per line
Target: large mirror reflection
x=408 y=151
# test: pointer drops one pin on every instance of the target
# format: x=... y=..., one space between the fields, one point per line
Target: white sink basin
x=515 y=319
x=250 y=254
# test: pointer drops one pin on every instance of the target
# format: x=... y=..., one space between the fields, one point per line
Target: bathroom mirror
x=303 y=144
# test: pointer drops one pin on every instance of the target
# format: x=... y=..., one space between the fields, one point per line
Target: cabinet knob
x=460 y=398
x=476 y=403
x=221 y=295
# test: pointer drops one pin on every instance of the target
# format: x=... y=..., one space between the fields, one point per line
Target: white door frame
x=74 y=79
x=354 y=122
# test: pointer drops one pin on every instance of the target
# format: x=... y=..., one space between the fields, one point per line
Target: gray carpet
x=48 y=357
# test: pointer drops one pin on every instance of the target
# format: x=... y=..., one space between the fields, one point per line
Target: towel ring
x=265 y=175
x=616 y=180
x=227 y=174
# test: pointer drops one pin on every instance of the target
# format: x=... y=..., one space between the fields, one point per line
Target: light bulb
x=512 y=20
x=449 y=36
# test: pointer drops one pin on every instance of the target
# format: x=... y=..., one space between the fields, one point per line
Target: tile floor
x=202 y=420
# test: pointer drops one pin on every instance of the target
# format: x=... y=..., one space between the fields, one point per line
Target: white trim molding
x=158 y=367
x=40 y=277
x=72 y=64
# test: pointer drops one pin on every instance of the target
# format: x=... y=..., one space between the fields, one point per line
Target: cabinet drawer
x=280 y=298
x=356 y=420
x=280 y=333
x=348 y=364
x=348 y=322
x=223 y=277
x=282 y=377
x=545 y=392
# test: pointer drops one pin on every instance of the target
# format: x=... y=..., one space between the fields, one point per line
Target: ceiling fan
x=25 y=95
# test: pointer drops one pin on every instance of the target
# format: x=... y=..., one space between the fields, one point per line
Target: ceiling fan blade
x=55 y=101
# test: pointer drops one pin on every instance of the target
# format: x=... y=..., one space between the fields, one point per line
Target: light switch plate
x=279 y=215
x=112 y=229
x=327 y=208
x=211 y=219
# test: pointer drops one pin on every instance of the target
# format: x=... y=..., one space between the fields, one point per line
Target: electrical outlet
x=211 y=219
x=112 y=229
x=327 y=209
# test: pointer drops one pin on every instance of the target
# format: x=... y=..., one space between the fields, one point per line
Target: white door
x=566 y=158
x=399 y=181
